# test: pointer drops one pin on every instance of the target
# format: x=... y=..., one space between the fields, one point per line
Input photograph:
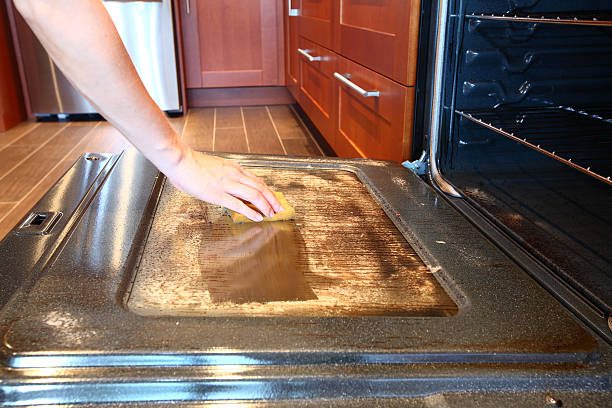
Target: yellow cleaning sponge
x=288 y=212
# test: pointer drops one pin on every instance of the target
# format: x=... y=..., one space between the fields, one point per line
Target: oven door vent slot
x=38 y=223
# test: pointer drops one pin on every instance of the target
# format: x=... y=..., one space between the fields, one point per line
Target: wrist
x=169 y=155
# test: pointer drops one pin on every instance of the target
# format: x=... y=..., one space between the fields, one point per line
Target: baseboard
x=242 y=96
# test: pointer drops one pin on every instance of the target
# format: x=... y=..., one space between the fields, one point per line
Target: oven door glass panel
x=326 y=262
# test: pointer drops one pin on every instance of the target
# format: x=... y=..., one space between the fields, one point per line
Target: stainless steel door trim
x=55 y=85
x=31 y=252
x=147 y=31
x=436 y=110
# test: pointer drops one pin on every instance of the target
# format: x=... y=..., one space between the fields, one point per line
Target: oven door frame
x=495 y=343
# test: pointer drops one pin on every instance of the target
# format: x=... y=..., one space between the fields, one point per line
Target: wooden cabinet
x=231 y=43
x=373 y=44
x=380 y=34
x=375 y=127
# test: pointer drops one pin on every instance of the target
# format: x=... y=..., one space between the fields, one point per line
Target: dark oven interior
x=527 y=128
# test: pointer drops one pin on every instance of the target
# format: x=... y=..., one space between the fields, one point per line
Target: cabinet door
x=292 y=9
x=373 y=127
x=233 y=43
x=380 y=34
x=316 y=21
x=316 y=79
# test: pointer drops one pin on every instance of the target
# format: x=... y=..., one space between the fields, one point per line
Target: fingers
x=251 y=195
x=240 y=175
x=258 y=184
x=224 y=182
x=235 y=204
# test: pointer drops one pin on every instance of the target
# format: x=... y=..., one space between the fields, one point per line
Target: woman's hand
x=222 y=182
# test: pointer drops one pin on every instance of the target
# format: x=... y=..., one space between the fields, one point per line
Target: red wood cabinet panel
x=233 y=43
x=374 y=43
x=380 y=34
x=372 y=127
x=316 y=19
x=316 y=79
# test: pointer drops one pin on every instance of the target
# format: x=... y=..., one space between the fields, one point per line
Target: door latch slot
x=38 y=223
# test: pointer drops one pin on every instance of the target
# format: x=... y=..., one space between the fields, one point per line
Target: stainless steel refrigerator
x=147 y=31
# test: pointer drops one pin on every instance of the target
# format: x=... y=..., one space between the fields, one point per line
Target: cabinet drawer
x=316 y=79
x=316 y=21
x=382 y=35
x=375 y=127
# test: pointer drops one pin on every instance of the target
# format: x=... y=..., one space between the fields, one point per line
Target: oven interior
x=527 y=129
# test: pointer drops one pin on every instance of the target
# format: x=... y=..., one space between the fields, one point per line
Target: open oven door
x=378 y=289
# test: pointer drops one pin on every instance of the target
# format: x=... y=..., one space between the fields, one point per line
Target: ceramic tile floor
x=33 y=155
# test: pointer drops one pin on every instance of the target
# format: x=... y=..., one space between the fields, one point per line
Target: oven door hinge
x=418 y=167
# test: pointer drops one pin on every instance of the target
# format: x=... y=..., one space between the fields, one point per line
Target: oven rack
x=575 y=138
x=603 y=20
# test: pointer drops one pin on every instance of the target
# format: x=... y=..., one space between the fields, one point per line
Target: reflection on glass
x=257 y=263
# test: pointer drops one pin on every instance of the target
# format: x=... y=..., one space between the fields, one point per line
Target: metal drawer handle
x=292 y=12
x=307 y=55
x=188 y=6
x=356 y=88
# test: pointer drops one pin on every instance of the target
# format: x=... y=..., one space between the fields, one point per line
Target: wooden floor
x=33 y=156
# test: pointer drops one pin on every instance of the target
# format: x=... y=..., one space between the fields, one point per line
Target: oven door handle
x=355 y=87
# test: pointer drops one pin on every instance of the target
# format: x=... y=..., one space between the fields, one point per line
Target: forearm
x=82 y=40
